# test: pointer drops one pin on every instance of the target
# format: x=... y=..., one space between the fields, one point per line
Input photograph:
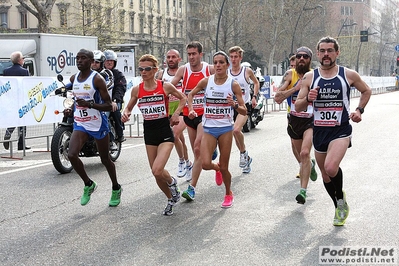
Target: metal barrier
x=134 y=128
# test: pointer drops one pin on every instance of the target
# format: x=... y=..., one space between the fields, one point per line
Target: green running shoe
x=189 y=194
x=338 y=221
x=342 y=210
x=115 y=197
x=87 y=191
x=301 y=197
x=313 y=173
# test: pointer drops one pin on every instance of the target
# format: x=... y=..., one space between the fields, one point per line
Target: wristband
x=307 y=98
x=236 y=106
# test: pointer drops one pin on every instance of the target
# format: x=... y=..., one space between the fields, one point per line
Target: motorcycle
x=256 y=114
x=62 y=135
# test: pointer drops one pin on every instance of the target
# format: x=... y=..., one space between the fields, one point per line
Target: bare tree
x=41 y=10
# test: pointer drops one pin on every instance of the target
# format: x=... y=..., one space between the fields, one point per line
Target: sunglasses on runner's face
x=141 y=69
x=305 y=56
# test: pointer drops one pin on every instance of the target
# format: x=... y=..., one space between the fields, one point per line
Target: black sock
x=117 y=187
x=337 y=180
x=331 y=191
x=88 y=184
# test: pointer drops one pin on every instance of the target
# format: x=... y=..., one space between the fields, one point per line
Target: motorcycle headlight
x=68 y=102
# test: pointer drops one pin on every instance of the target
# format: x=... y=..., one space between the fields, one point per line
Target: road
x=42 y=222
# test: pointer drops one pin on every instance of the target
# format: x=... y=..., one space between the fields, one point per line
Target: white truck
x=45 y=54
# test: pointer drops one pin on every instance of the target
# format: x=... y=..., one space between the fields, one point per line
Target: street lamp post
x=297 y=22
x=217 y=29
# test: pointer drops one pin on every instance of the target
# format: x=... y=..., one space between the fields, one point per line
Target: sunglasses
x=305 y=56
x=97 y=62
x=141 y=69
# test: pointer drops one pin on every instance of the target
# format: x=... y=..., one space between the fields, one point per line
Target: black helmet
x=111 y=55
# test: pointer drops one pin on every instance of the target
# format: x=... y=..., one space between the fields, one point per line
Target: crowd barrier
x=133 y=129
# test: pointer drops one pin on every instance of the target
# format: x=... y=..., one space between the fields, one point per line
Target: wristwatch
x=236 y=106
x=361 y=109
x=91 y=104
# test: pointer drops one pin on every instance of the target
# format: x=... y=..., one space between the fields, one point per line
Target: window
x=63 y=18
x=141 y=25
x=167 y=8
x=131 y=22
x=63 y=14
x=131 y=4
x=158 y=6
x=141 y=5
x=159 y=23
x=122 y=21
x=174 y=7
x=88 y=17
x=4 y=16
x=4 y=20
x=24 y=20
x=174 y=29
x=346 y=10
x=181 y=29
x=108 y=16
x=168 y=28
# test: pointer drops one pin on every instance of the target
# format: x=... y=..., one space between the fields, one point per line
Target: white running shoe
x=189 y=168
x=247 y=169
x=243 y=159
x=181 y=169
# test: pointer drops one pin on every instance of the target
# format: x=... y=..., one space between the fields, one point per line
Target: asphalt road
x=42 y=222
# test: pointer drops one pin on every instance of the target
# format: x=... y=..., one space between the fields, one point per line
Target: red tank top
x=190 y=80
x=153 y=104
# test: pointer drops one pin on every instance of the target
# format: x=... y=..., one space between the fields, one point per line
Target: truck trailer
x=45 y=54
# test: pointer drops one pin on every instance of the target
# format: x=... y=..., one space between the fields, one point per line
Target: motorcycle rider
x=91 y=101
x=98 y=65
x=118 y=92
x=243 y=75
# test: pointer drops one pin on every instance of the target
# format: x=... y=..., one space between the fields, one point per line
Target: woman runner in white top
x=217 y=119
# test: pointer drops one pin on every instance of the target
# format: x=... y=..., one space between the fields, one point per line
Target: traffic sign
x=397 y=48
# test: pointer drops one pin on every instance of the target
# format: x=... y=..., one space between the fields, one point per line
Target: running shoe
x=342 y=210
x=87 y=191
x=301 y=197
x=115 y=197
x=215 y=154
x=189 y=168
x=313 y=173
x=181 y=169
x=189 y=194
x=298 y=176
x=218 y=177
x=174 y=190
x=247 y=169
x=228 y=200
x=243 y=159
x=338 y=221
x=168 y=211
